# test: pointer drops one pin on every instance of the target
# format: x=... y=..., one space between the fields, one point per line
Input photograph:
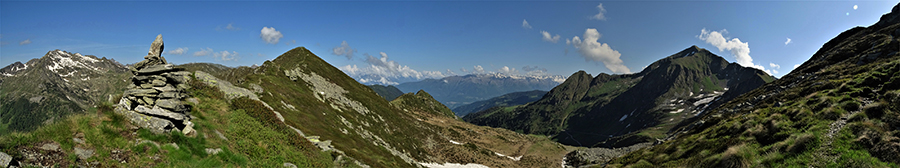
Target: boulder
x=166 y=88
x=141 y=92
x=148 y=101
x=212 y=151
x=157 y=69
x=5 y=159
x=158 y=83
x=137 y=79
x=125 y=103
x=52 y=146
x=155 y=125
x=172 y=104
x=179 y=77
x=156 y=111
x=84 y=154
x=156 y=48
x=171 y=95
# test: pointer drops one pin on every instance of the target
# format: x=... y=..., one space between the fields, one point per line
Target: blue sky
x=435 y=39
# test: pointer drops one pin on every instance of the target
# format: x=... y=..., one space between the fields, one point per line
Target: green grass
x=252 y=142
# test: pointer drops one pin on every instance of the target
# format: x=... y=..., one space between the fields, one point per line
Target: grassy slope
x=252 y=140
x=388 y=92
x=256 y=139
x=799 y=119
x=350 y=130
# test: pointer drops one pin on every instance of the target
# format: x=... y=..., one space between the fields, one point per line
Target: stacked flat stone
x=155 y=98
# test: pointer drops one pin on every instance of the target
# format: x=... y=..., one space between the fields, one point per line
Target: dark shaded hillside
x=841 y=108
x=511 y=99
x=646 y=104
x=388 y=92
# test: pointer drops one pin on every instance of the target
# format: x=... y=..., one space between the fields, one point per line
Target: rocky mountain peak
x=12 y=69
x=890 y=18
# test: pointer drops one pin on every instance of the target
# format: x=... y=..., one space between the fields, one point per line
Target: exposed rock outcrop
x=155 y=98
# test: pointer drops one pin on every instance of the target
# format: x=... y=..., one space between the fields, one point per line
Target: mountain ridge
x=674 y=88
x=837 y=109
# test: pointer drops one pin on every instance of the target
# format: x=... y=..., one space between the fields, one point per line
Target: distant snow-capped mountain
x=55 y=85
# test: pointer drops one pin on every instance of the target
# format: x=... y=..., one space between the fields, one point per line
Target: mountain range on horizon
x=455 y=91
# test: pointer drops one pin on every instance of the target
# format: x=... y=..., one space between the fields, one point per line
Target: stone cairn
x=155 y=98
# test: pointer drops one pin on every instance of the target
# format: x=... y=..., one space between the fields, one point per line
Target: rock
x=155 y=125
x=159 y=112
x=141 y=92
x=172 y=104
x=174 y=145
x=79 y=139
x=52 y=146
x=212 y=151
x=220 y=135
x=183 y=86
x=5 y=159
x=188 y=128
x=149 y=101
x=174 y=95
x=156 y=48
x=157 y=69
x=137 y=79
x=125 y=103
x=179 y=76
x=194 y=100
x=84 y=154
x=166 y=88
x=146 y=86
x=36 y=99
x=289 y=165
x=158 y=83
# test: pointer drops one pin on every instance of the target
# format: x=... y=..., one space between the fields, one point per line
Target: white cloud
x=203 y=52
x=592 y=50
x=525 y=24
x=270 y=35
x=547 y=37
x=225 y=55
x=385 y=71
x=788 y=41
x=507 y=70
x=740 y=50
x=478 y=69
x=231 y=27
x=854 y=7
x=26 y=41
x=178 y=51
x=773 y=65
x=535 y=71
x=463 y=70
x=601 y=15
x=343 y=50
x=796 y=65
x=774 y=71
